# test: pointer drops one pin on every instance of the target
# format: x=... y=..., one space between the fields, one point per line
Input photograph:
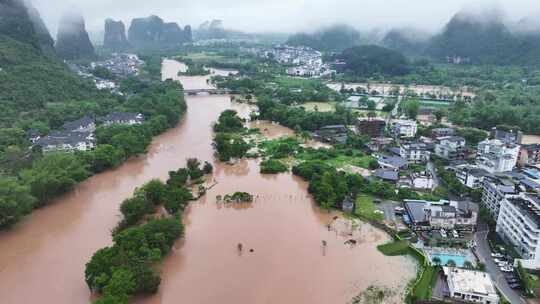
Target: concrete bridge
x=207 y=91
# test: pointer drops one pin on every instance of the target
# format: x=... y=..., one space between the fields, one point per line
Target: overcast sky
x=283 y=15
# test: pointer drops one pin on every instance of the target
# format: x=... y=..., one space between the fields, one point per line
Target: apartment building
x=497 y=156
x=519 y=223
x=495 y=191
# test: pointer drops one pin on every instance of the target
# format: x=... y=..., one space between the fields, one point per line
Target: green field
x=394 y=248
x=365 y=208
x=423 y=289
x=434 y=104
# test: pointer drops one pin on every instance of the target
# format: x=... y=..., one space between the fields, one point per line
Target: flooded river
x=42 y=259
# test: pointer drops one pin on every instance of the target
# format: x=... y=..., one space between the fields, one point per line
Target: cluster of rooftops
x=79 y=134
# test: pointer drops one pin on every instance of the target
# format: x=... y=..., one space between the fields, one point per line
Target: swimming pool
x=444 y=258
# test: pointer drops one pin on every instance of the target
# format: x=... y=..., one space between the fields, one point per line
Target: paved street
x=431 y=168
x=484 y=253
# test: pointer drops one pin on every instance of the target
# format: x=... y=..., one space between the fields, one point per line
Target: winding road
x=484 y=253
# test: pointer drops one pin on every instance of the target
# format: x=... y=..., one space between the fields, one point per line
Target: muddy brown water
x=42 y=259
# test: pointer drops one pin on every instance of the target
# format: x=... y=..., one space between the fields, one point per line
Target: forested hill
x=369 y=60
x=31 y=76
x=488 y=40
x=485 y=41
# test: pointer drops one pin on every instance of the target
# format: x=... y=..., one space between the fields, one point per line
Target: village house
x=425 y=215
x=529 y=155
x=86 y=124
x=395 y=163
x=442 y=132
x=372 y=127
x=506 y=135
x=414 y=152
x=335 y=134
x=404 y=128
x=122 y=118
x=67 y=142
x=420 y=181
x=387 y=175
x=450 y=147
x=470 y=286
x=378 y=143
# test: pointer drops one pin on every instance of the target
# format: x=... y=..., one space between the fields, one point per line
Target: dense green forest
x=372 y=60
x=228 y=140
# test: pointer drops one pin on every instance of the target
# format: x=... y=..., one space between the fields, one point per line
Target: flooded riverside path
x=42 y=259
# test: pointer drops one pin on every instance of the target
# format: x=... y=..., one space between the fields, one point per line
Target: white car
x=496 y=255
x=507 y=269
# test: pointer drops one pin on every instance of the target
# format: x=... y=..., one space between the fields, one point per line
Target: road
x=484 y=253
x=431 y=168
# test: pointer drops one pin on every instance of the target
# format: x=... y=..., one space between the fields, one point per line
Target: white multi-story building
x=519 y=223
x=494 y=193
x=449 y=147
x=470 y=286
x=496 y=156
x=414 y=152
x=404 y=128
x=470 y=175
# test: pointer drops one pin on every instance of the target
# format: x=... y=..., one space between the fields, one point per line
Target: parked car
x=512 y=280
x=443 y=233
x=515 y=286
x=496 y=255
x=507 y=269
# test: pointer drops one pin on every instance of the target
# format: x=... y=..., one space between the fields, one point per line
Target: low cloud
x=286 y=15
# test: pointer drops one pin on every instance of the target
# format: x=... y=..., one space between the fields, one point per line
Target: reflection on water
x=42 y=259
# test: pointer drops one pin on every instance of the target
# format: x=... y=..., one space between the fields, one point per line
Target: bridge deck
x=209 y=91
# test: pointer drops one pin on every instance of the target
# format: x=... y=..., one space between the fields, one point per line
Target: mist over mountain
x=72 y=41
x=409 y=41
x=334 y=38
x=15 y=22
x=484 y=39
x=211 y=29
x=32 y=75
x=153 y=32
x=115 y=35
